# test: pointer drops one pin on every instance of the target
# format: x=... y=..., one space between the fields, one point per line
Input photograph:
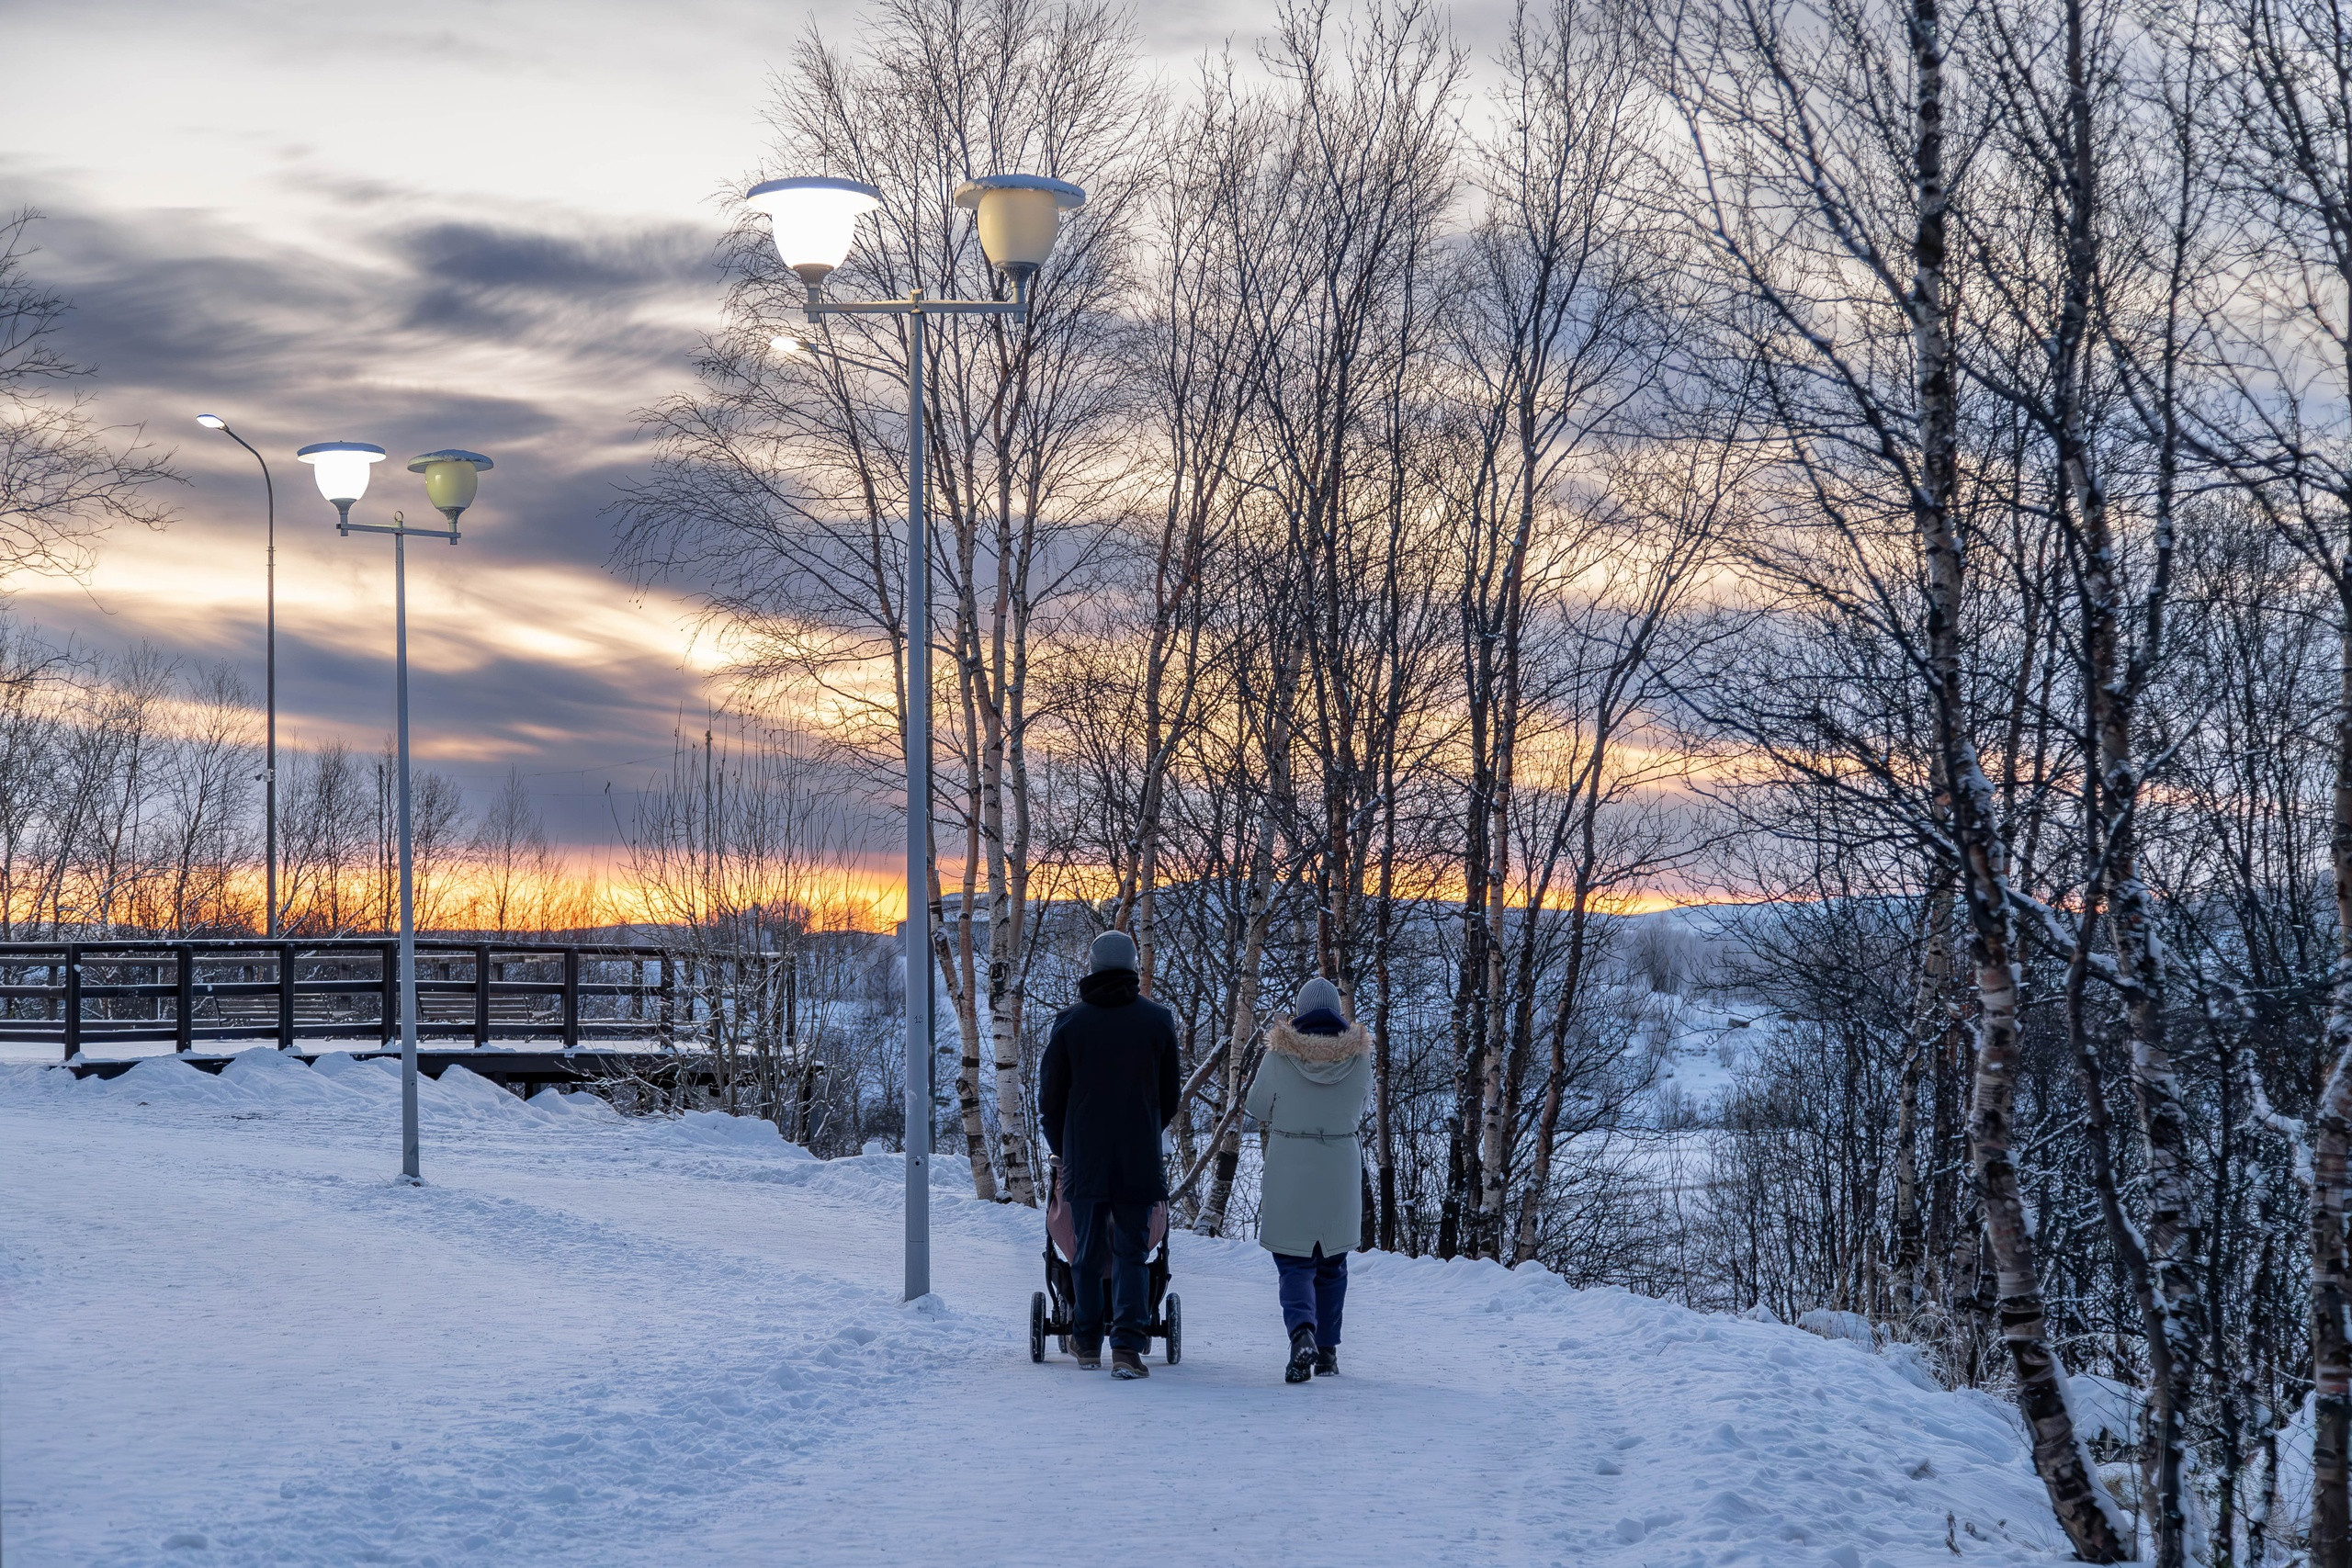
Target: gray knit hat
x=1316 y=993
x=1112 y=950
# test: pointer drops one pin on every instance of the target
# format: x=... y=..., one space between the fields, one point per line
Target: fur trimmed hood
x=1318 y=1048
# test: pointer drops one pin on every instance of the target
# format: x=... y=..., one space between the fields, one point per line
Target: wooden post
x=184 y=1032
x=388 y=1020
x=570 y=998
x=285 y=995
x=72 y=1000
x=482 y=995
x=669 y=1026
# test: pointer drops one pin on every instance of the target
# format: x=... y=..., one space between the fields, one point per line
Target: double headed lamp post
x=450 y=480
x=814 y=220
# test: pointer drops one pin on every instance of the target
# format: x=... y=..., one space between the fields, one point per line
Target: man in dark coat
x=1108 y=1088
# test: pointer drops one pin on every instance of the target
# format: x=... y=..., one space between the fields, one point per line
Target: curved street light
x=813 y=220
x=451 y=478
x=269 y=755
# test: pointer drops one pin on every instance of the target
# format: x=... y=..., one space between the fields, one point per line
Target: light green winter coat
x=1309 y=1094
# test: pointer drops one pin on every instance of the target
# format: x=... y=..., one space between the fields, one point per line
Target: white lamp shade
x=341 y=468
x=1019 y=217
x=451 y=478
x=813 y=219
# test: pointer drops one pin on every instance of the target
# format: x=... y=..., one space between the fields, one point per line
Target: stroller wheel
x=1037 y=1326
x=1062 y=1340
x=1175 y=1314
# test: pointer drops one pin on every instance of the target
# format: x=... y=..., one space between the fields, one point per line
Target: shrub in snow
x=1914 y=1365
x=752 y=1134
x=2104 y=1410
x=1850 y=1326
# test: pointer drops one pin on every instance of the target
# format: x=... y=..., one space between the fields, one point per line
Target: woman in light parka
x=1309 y=1096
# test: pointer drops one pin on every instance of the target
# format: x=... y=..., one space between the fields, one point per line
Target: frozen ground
x=227 y=1337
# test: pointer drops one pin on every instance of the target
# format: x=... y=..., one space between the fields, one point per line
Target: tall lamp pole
x=450 y=480
x=269 y=761
x=814 y=220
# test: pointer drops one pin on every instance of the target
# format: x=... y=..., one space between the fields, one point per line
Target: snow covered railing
x=82 y=995
x=617 y=1074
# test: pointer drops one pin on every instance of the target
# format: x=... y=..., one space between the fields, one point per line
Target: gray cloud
x=388 y=337
x=539 y=262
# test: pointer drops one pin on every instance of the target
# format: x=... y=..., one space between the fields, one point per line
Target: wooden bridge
x=84 y=997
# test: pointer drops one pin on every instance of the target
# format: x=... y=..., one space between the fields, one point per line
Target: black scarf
x=1109 y=988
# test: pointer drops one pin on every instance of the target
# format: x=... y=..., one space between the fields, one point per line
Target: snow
x=230 y=1338
x=1849 y=1327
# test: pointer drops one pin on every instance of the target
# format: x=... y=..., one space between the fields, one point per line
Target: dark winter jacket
x=1106 y=1090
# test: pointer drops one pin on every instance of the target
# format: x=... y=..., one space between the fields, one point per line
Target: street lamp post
x=814 y=220
x=451 y=478
x=269 y=756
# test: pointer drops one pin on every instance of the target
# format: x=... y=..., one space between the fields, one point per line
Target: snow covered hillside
x=230 y=1338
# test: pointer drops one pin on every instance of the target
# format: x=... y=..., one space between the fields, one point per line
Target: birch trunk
x=2172 y=1307
x=2331 y=1360
x=1494 y=1118
x=1929 y=1012
x=1547 y=1124
x=2173 y=1240
x=988 y=686
x=958 y=978
x=2082 y=1509
x=967 y=1102
x=1383 y=1067
x=2331 y=1540
x=1003 y=774
x=1244 y=1022
x=967 y=1041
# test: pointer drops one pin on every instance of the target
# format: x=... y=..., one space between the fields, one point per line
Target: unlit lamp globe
x=451 y=478
x=341 y=468
x=1019 y=217
x=813 y=220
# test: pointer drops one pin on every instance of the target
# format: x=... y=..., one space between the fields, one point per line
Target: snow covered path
x=226 y=1337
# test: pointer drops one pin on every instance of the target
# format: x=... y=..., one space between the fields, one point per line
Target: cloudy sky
x=422 y=225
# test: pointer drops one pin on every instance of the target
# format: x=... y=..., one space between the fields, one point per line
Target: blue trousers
x=1123 y=1232
x=1314 y=1292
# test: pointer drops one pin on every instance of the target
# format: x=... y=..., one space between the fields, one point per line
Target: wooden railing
x=84 y=996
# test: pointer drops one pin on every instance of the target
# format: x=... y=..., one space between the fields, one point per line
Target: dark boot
x=1301 y=1365
x=1088 y=1353
x=1128 y=1365
x=1327 y=1361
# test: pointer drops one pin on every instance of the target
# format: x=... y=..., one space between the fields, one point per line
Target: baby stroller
x=1054 y=1310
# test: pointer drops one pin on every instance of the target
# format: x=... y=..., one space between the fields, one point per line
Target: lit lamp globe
x=341 y=468
x=813 y=220
x=451 y=477
x=1019 y=217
